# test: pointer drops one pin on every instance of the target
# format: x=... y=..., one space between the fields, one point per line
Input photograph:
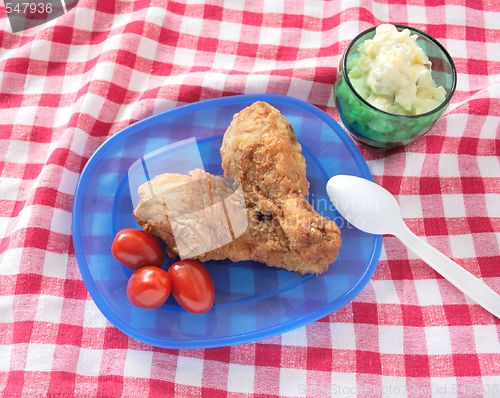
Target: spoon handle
x=473 y=287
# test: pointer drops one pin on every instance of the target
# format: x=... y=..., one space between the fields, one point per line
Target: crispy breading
x=262 y=158
x=260 y=153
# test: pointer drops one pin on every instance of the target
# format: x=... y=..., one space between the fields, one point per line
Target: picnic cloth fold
x=67 y=85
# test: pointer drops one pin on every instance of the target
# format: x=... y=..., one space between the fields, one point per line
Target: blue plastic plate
x=252 y=301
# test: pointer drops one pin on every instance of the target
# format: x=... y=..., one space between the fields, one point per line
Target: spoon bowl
x=365 y=205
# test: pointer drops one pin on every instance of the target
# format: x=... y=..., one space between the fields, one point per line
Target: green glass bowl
x=378 y=128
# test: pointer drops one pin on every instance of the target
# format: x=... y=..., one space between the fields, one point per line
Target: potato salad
x=393 y=73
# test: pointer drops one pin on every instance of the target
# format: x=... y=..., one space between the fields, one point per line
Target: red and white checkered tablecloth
x=67 y=85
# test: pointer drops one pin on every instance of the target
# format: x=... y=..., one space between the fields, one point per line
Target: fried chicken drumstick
x=262 y=158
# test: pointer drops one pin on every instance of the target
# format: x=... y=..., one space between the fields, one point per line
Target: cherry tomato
x=135 y=248
x=192 y=286
x=148 y=287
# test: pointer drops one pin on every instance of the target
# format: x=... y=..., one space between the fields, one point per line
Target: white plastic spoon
x=373 y=209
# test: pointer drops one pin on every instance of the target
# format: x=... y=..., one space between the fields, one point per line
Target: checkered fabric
x=67 y=85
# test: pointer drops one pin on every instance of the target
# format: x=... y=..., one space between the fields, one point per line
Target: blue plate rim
x=233 y=339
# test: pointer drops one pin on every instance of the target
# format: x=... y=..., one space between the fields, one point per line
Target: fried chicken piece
x=186 y=212
x=260 y=153
x=264 y=217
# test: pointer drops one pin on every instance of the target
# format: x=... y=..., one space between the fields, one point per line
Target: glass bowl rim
x=442 y=105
